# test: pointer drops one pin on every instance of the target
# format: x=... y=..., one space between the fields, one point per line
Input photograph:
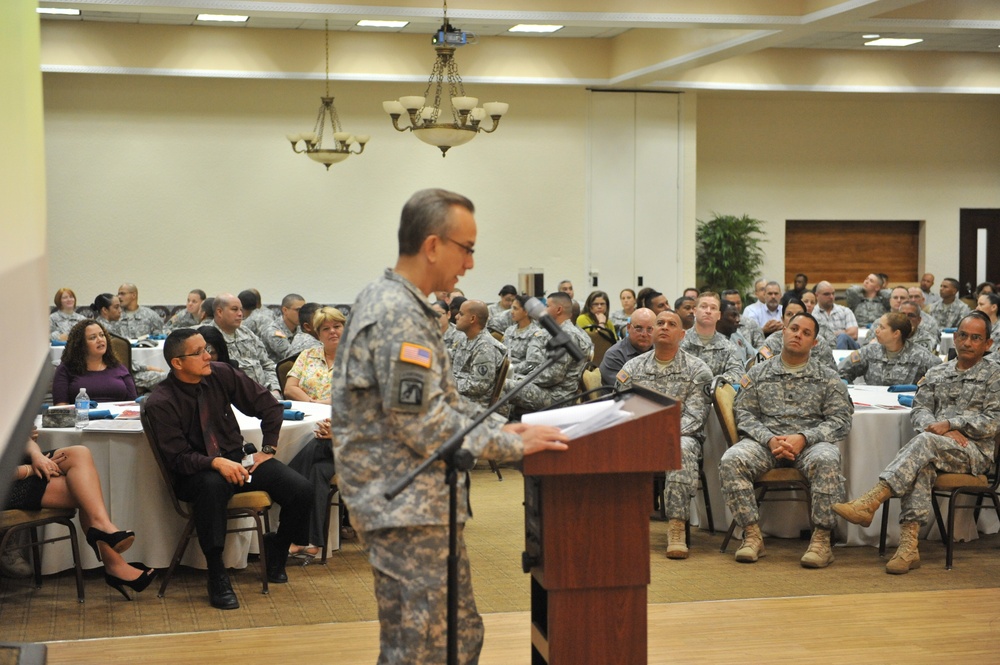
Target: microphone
x=537 y=311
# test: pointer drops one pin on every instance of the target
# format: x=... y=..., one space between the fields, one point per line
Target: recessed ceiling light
x=58 y=10
x=223 y=18
x=870 y=36
x=525 y=27
x=893 y=41
x=366 y=23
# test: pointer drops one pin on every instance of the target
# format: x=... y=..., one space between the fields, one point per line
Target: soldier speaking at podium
x=394 y=402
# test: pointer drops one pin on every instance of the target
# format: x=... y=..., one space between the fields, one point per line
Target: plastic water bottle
x=82 y=409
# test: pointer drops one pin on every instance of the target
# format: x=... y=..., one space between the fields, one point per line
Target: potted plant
x=729 y=254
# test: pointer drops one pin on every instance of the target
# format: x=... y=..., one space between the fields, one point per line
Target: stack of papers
x=581 y=420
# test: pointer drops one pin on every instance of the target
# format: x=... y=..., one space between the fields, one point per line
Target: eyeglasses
x=469 y=249
x=208 y=349
x=961 y=336
x=640 y=329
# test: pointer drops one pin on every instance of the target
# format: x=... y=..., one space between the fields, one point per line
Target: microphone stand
x=458 y=459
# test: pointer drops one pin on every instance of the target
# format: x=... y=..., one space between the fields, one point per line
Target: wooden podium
x=587 y=535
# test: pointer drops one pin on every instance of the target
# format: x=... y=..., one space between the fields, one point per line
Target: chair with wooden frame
x=332 y=499
x=781 y=479
x=254 y=505
x=494 y=396
x=283 y=367
x=13 y=522
x=950 y=486
x=121 y=348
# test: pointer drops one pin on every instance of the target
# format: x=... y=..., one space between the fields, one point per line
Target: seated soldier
x=728 y=326
x=925 y=331
x=308 y=336
x=136 y=321
x=772 y=345
x=704 y=342
x=956 y=412
x=191 y=316
x=791 y=410
x=683 y=377
x=278 y=335
x=244 y=347
x=950 y=309
x=255 y=316
x=477 y=358
x=893 y=360
x=684 y=306
x=516 y=337
x=749 y=328
x=866 y=300
x=191 y=412
x=500 y=311
x=562 y=379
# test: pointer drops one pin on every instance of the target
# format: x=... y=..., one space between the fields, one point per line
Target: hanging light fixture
x=313 y=141
x=465 y=113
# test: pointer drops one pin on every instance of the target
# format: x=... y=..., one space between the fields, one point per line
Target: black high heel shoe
x=138 y=585
x=119 y=541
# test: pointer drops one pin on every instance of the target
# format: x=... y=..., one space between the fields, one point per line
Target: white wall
x=791 y=156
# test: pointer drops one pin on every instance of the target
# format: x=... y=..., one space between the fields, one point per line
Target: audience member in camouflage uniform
x=950 y=310
x=791 y=410
x=562 y=379
x=989 y=304
x=517 y=337
x=893 y=360
x=621 y=317
x=729 y=326
x=256 y=317
x=394 y=402
x=278 y=335
x=749 y=328
x=772 y=345
x=925 y=331
x=704 y=342
x=244 y=347
x=135 y=321
x=191 y=316
x=929 y=297
x=866 y=300
x=638 y=340
x=307 y=337
x=500 y=314
x=683 y=377
x=478 y=357
x=65 y=317
x=957 y=413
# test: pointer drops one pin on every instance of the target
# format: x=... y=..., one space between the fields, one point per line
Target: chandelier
x=425 y=112
x=313 y=141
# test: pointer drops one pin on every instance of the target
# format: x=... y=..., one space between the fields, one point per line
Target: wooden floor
x=911 y=628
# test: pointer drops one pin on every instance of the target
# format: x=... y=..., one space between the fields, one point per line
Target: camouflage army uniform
x=874 y=364
x=560 y=380
x=948 y=316
x=499 y=318
x=719 y=354
x=301 y=342
x=866 y=310
x=752 y=331
x=134 y=325
x=251 y=356
x=774 y=401
x=746 y=352
x=970 y=402
x=685 y=379
x=60 y=323
x=258 y=320
x=452 y=338
x=516 y=340
x=475 y=364
x=183 y=319
x=927 y=334
x=619 y=319
x=775 y=341
x=277 y=339
x=394 y=402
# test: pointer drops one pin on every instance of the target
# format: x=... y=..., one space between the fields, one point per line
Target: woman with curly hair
x=89 y=363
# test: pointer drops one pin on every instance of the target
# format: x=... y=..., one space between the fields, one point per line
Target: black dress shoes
x=276 y=559
x=221 y=594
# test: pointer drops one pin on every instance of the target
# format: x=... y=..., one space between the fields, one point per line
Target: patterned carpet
x=342 y=590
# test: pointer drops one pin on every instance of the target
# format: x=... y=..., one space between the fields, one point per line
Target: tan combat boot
x=819 y=554
x=753 y=545
x=862 y=510
x=676 y=540
x=907 y=557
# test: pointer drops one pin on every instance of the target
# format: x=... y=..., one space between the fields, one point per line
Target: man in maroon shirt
x=202 y=446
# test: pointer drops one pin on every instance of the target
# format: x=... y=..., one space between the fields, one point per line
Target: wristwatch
x=268 y=449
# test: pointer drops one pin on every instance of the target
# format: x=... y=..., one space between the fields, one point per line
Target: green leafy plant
x=729 y=254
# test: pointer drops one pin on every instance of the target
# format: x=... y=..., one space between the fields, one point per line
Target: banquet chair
x=950 y=486
x=283 y=368
x=780 y=480
x=497 y=391
x=13 y=522
x=122 y=349
x=602 y=339
x=659 y=486
x=254 y=505
x=498 y=336
x=332 y=499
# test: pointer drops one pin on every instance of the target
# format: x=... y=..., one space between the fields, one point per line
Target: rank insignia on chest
x=415 y=354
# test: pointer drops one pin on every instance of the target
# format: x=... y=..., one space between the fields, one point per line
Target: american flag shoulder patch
x=622 y=375
x=745 y=381
x=415 y=354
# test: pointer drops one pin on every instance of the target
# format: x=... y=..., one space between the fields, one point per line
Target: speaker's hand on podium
x=537 y=438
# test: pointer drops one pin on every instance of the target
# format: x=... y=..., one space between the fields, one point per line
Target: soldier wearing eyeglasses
x=956 y=411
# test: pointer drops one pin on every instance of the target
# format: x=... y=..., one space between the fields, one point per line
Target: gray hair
x=426 y=214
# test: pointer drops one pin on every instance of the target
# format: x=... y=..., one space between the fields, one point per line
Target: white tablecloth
x=876 y=436
x=147 y=356
x=137 y=497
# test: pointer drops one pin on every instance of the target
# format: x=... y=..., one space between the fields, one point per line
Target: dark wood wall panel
x=847 y=251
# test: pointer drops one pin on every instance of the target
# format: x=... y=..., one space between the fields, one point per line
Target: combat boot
x=752 y=547
x=907 y=557
x=819 y=554
x=676 y=540
x=862 y=510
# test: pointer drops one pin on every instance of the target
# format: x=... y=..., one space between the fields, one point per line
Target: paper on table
x=875 y=396
x=582 y=419
x=114 y=426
